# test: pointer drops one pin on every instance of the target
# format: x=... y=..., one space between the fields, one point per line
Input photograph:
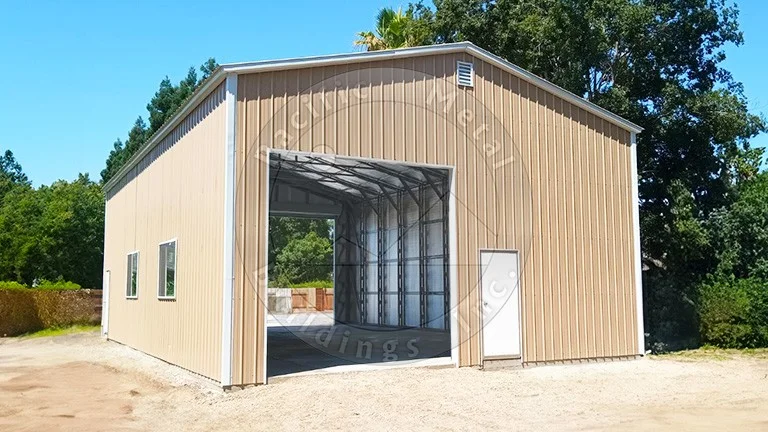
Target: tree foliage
x=394 y=29
x=734 y=312
x=11 y=174
x=657 y=63
x=298 y=236
x=304 y=259
x=53 y=232
x=739 y=233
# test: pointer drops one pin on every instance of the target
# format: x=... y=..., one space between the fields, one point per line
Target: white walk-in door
x=501 y=304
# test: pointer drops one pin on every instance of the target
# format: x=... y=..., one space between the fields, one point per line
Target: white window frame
x=128 y=274
x=175 y=270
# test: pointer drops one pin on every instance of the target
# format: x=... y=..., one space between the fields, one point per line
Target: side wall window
x=166 y=287
x=132 y=281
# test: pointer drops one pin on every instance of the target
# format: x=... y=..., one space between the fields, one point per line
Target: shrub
x=734 y=312
x=11 y=286
x=57 y=285
x=42 y=285
x=312 y=284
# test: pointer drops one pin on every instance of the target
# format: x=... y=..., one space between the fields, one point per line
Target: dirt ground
x=79 y=382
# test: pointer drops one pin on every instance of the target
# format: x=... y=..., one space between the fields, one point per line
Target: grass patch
x=310 y=284
x=708 y=352
x=60 y=331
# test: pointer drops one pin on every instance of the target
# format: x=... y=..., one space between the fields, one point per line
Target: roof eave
x=216 y=78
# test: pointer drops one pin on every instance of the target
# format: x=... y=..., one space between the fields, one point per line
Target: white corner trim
x=228 y=286
x=453 y=260
x=262 y=295
x=637 y=248
x=105 y=281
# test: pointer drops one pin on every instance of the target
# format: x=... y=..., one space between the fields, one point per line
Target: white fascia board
x=453 y=257
x=637 y=247
x=228 y=286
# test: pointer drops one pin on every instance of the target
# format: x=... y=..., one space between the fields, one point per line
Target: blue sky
x=76 y=74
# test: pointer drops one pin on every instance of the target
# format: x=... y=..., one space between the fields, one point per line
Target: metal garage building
x=472 y=199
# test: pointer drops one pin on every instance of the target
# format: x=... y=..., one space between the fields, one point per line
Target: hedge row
x=42 y=285
x=24 y=310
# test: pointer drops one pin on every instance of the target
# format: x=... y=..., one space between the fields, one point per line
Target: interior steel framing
x=378 y=207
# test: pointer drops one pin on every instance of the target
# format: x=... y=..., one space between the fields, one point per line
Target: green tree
x=208 y=68
x=54 y=232
x=658 y=64
x=305 y=259
x=739 y=233
x=734 y=312
x=72 y=222
x=283 y=230
x=394 y=29
x=21 y=251
x=11 y=173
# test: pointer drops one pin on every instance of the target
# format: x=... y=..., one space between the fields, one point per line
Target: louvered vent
x=465 y=74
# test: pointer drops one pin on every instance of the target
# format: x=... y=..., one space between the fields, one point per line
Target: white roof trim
x=359 y=57
x=553 y=88
x=213 y=81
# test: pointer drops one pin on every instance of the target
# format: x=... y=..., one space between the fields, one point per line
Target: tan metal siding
x=548 y=179
x=176 y=191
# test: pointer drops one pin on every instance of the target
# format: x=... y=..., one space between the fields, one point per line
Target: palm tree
x=391 y=31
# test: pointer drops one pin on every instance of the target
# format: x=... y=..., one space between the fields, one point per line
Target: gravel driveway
x=79 y=382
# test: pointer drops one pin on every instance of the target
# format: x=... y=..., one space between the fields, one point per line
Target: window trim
x=176 y=266
x=138 y=260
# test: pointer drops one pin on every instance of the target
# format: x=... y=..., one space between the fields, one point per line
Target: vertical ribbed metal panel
x=176 y=191
x=554 y=184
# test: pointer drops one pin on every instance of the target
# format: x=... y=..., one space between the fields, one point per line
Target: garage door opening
x=391 y=264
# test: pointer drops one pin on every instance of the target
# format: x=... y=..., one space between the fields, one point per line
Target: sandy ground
x=79 y=382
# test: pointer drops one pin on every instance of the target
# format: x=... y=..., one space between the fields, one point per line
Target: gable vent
x=465 y=74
